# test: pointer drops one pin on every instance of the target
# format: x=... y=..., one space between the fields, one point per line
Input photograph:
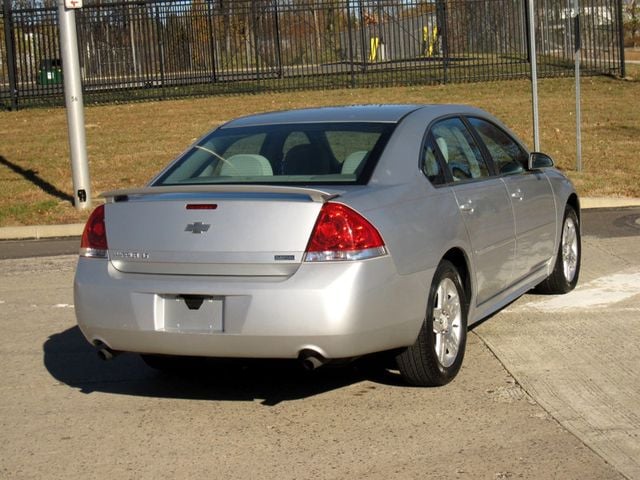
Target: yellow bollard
x=433 y=40
x=373 y=52
x=425 y=40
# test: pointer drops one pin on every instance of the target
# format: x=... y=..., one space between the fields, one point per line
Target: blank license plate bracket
x=191 y=313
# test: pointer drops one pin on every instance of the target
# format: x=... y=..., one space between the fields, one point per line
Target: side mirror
x=539 y=160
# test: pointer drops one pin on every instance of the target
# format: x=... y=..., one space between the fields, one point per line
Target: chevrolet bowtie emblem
x=197 y=227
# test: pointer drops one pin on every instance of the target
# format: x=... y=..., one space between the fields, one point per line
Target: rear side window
x=430 y=165
x=283 y=154
x=459 y=150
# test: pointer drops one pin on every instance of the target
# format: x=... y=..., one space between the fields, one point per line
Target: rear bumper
x=339 y=309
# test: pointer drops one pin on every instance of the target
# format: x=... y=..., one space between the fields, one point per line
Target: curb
x=587 y=203
x=41 y=231
x=75 y=229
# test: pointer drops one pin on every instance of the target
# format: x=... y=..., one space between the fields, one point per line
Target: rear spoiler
x=312 y=193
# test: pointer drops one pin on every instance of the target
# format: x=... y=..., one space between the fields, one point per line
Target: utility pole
x=74 y=103
x=10 y=50
x=534 y=75
x=578 y=45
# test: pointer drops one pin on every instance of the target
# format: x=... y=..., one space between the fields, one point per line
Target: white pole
x=578 y=45
x=534 y=75
x=75 y=106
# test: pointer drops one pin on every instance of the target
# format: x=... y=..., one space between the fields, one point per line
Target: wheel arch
x=459 y=260
x=431 y=360
x=574 y=202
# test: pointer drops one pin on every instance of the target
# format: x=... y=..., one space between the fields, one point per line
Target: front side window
x=282 y=154
x=459 y=150
x=507 y=155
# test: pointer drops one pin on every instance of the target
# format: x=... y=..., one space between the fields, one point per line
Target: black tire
x=430 y=361
x=566 y=270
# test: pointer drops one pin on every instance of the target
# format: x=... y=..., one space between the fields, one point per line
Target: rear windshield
x=322 y=153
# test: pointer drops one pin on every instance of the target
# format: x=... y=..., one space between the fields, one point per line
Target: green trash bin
x=50 y=72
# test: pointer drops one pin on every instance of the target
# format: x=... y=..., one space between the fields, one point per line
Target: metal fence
x=149 y=49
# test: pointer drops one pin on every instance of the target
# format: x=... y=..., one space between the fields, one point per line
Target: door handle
x=467 y=207
x=517 y=194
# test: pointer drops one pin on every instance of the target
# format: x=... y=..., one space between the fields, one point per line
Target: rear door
x=484 y=205
x=531 y=196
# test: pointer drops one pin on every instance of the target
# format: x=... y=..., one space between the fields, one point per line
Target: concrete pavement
x=577 y=354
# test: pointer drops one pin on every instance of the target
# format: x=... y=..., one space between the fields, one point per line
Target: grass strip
x=129 y=143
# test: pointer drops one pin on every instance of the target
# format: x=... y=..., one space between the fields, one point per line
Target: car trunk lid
x=211 y=230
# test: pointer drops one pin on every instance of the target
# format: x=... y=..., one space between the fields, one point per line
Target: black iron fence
x=149 y=49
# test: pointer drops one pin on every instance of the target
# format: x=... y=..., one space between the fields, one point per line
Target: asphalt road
x=611 y=222
x=549 y=389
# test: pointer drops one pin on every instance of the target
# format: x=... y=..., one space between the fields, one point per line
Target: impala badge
x=197 y=227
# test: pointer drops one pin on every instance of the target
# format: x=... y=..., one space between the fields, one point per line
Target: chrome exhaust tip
x=104 y=352
x=311 y=359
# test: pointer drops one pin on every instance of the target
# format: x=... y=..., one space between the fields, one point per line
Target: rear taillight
x=94 y=237
x=341 y=233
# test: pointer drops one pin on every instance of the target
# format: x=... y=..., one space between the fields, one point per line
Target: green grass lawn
x=129 y=143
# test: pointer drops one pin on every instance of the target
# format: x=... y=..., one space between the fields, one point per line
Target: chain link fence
x=159 y=48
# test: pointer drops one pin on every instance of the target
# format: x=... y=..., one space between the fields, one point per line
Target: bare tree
x=632 y=21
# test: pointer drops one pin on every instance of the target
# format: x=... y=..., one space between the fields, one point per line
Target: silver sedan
x=326 y=234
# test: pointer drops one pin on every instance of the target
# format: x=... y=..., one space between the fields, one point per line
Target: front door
x=484 y=204
x=530 y=194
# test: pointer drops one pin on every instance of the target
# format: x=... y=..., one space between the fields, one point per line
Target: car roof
x=353 y=113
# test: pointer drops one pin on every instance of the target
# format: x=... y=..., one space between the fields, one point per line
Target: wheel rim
x=569 y=249
x=447 y=321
